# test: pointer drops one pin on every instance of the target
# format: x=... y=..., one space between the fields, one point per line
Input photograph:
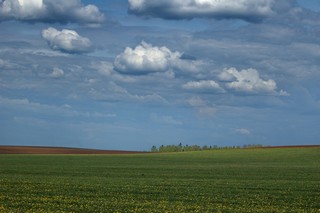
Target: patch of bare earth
x=57 y=150
x=294 y=146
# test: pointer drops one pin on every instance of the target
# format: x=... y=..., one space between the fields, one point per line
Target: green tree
x=154 y=149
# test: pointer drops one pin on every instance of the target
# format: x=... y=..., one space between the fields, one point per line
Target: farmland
x=226 y=180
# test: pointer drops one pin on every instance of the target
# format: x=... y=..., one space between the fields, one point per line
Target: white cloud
x=196 y=102
x=57 y=73
x=50 y=11
x=145 y=58
x=207 y=111
x=150 y=98
x=243 y=131
x=104 y=68
x=202 y=85
x=249 y=10
x=35 y=108
x=248 y=81
x=5 y=64
x=112 y=91
x=66 y=41
x=193 y=67
x=203 y=108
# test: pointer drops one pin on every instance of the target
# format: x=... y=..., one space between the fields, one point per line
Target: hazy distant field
x=235 y=180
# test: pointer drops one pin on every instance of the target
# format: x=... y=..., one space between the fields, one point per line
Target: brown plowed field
x=57 y=150
x=294 y=146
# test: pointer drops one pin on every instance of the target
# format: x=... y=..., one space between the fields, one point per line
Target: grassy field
x=235 y=180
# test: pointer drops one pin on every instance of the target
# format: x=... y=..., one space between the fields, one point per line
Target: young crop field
x=231 y=180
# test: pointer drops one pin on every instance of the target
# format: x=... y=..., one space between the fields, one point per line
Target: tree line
x=185 y=148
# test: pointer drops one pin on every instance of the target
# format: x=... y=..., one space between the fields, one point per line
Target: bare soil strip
x=66 y=150
x=293 y=146
x=57 y=150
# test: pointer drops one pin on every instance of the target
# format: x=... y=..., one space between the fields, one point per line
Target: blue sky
x=122 y=74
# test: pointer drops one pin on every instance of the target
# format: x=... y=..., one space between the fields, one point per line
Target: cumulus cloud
x=57 y=73
x=50 y=11
x=68 y=41
x=202 y=85
x=248 y=81
x=144 y=59
x=249 y=10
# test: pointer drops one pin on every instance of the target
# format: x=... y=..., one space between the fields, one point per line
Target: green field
x=231 y=180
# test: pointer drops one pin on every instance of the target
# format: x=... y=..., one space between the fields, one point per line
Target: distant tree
x=252 y=145
x=196 y=148
x=205 y=147
x=182 y=148
x=161 y=148
x=154 y=149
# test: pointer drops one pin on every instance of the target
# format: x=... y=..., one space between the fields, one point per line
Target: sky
x=130 y=74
